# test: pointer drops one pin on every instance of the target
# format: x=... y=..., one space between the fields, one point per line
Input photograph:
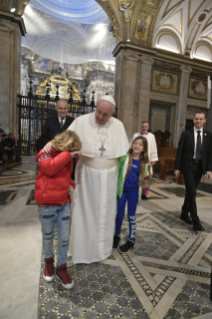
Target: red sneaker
x=48 y=274
x=63 y=275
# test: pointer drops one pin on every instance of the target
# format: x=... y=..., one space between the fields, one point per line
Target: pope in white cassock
x=94 y=207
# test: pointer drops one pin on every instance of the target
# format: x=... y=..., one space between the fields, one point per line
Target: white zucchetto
x=108 y=98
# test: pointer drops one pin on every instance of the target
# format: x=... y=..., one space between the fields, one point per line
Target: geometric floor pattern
x=165 y=276
x=6 y=197
x=31 y=200
x=178 y=191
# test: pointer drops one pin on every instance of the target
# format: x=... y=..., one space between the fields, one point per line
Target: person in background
x=193 y=159
x=55 y=125
x=152 y=149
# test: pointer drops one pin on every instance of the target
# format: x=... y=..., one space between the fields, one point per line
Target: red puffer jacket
x=52 y=184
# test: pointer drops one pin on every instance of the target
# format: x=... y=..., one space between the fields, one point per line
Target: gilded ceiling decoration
x=191 y=3
x=178 y=28
x=209 y=22
x=109 y=9
x=19 y=5
x=181 y=25
x=143 y=27
x=171 y=6
x=202 y=17
x=126 y=6
x=142 y=22
x=196 y=24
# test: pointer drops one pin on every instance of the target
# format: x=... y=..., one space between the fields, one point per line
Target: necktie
x=61 y=124
x=198 y=146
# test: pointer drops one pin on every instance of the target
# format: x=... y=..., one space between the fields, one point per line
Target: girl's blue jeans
x=132 y=199
x=61 y=216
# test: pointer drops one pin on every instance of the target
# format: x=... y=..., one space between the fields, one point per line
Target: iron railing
x=33 y=111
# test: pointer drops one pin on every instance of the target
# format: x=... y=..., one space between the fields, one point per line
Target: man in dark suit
x=194 y=159
x=55 y=125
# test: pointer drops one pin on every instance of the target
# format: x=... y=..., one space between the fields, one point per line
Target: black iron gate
x=33 y=111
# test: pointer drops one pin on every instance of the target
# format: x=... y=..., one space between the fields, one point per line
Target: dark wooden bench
x=166 y=164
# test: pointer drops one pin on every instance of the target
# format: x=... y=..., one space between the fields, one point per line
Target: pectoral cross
x=102 y=150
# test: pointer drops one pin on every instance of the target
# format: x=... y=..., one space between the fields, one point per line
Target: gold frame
x=163 y=90
x=199 y=79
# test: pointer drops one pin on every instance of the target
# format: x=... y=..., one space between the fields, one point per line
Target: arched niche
x=168 y=40
x=202 y=51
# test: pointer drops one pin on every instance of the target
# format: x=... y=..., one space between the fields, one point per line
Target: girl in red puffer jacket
x=53 y=188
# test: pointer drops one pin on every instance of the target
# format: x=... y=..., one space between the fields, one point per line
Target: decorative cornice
x=186 y=69
x=163 y=55
x=15 y=19
x=189 y=12
x=167 y=10
x=173 y=26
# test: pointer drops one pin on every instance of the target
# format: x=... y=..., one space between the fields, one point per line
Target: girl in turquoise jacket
x=133 y=175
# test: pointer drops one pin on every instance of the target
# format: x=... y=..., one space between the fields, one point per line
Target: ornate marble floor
x=166 y=275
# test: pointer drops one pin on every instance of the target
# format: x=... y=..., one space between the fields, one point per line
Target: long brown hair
x=143 y=157
x=67 y=141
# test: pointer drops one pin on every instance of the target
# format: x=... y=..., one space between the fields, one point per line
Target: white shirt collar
x=60 y=119
x=198 y=129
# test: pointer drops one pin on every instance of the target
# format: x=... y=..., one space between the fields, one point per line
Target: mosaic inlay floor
x=6 y=197
x=31 y=200
x=166 y=276
x=178 y=191
x=155 y=195
x=161 y=278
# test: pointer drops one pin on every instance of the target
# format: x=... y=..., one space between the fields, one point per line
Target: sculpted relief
x=197 y=89
x=165 y=82
x=143 y=27
x=126 y=6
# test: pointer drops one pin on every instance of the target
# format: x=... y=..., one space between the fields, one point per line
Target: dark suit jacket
x=51 y=129
x=185 y=151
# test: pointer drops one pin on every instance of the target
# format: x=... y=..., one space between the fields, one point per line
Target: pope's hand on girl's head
x=47 y=148
x=75 y=154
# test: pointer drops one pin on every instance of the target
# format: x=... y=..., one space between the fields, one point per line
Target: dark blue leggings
x=132 y=199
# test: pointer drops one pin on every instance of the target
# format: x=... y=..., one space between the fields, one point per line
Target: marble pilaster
x=144 y=90
x=208 y=124
x=11 y=29
x=132 y=89
x=182 y=105
x=126 y=87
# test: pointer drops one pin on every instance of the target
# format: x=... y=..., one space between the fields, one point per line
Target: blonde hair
x=143 y=157
x=67 y=141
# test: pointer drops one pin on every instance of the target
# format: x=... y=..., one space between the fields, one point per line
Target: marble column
x=180 y=118
x=126 y=89
x=11 y=30
x=208 y=124
x=144 y=90
x=132 y=89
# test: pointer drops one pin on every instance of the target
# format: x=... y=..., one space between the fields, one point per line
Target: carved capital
x=186 y=69
x=6 y=26
x=146 y=60
x=131 y=56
